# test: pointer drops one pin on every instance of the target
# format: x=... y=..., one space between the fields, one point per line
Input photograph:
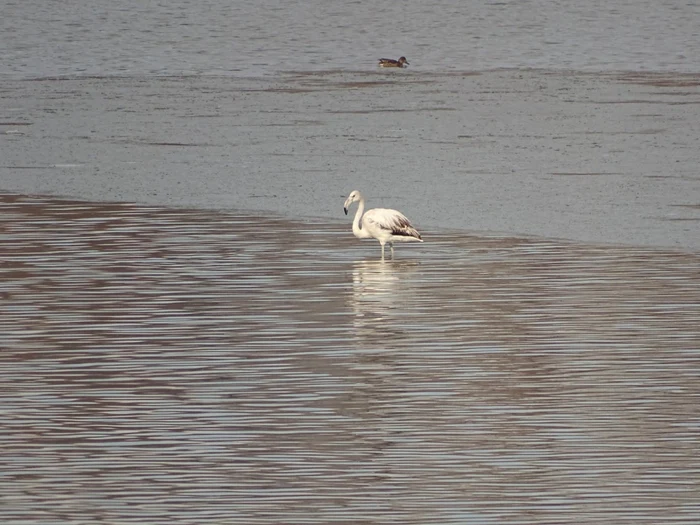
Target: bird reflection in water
x=381 y=292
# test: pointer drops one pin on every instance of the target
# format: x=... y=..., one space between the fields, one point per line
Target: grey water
x=39 y=38
x=166 y=365
x=182 y=366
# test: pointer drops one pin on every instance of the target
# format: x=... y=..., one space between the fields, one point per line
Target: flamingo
x=387 y=226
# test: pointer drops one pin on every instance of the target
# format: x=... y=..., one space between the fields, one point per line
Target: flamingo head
x=353 y=197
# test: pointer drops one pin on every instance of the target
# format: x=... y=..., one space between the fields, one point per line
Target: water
x=175 y=366
x=281 y=107
x=178 y=366
x=597 y=158
x=258 y=38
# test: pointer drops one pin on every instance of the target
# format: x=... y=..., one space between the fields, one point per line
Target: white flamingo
x=387 y=226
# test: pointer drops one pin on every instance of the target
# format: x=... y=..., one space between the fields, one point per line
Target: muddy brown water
x=179 y=366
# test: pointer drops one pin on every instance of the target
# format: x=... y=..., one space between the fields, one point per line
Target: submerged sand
x=593 y=157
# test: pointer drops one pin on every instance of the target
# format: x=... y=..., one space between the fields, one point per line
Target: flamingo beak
x=345 y=209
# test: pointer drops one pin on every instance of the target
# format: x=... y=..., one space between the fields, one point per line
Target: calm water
x=174 y=366
x=255 y=38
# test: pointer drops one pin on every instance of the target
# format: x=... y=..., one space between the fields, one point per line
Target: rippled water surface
x=242 y=38
x=175 y=366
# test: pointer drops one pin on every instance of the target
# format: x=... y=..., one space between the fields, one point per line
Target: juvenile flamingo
x=387 y=226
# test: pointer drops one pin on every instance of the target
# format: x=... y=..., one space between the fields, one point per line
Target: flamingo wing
x=390 y=221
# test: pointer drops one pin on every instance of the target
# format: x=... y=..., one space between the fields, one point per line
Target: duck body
x=390 y=62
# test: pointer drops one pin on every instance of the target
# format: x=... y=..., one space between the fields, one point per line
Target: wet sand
x=181 y=366
x=609 y=158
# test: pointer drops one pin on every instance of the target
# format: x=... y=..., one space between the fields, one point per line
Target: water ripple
x=175 y=366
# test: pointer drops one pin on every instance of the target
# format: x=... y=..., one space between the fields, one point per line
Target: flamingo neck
x=356 y=228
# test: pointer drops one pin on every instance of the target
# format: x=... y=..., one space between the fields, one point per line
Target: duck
x=390 y=62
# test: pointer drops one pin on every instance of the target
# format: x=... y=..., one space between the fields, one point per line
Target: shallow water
x=175 y=366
